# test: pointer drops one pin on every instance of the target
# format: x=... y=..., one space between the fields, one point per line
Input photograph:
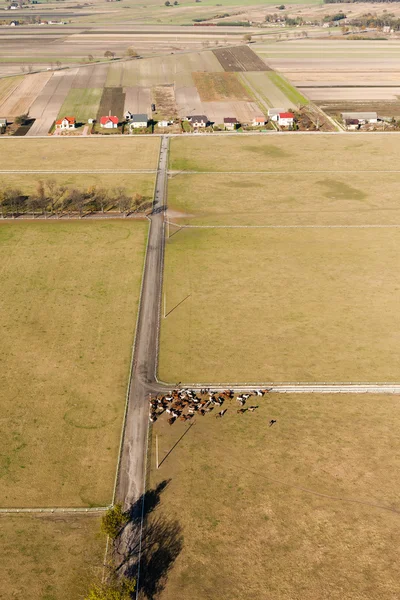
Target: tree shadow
x=148 y=551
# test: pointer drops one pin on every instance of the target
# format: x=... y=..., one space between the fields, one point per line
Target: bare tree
x=13 y=201
x=122 y=200
x=100 y=198
x=55 y=195
x=137 y=202
x=76 y=201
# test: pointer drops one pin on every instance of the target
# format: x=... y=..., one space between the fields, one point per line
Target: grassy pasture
x=69 y=154
x=294 y=96
x=68 y=311
x=284 y=199
x=81 y=103
x=281 y=305
x=291 y=154
x=216 y=87
x=48 y=557
x=273 y=513
x=142 y=183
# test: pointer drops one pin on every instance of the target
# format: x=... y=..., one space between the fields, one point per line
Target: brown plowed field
x=219 y=87
x=240 y=58
x=113 y=100
x=24 y=95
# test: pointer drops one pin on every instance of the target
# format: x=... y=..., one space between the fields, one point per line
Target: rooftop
x=139 y=118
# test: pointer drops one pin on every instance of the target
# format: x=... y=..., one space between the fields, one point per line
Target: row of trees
x=53 y=199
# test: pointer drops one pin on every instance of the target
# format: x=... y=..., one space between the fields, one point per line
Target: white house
x=230 y=123
x=198 y=121
x=110 y=122
x=257 y=121
x=138 y=121
x=285 y=119
x=66 y=123
x=163 y=123
x=273 y=113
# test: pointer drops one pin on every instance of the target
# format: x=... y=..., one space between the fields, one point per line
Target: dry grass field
x=287 y=154
x=306 y=509
x=284 y=199
x=69 y=299
x=140 y=183
x=49 y=557
x=67 y=154
x=312 y=295
x=263 y=305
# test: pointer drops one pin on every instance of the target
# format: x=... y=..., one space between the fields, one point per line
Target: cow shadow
x=146 y=550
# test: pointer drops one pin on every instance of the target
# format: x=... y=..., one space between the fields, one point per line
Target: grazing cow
x=272 y=421
x=252 y=408
x=221 y=414
x=171 y=420
x=241 y=411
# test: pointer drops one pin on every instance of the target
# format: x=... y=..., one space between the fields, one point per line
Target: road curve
x=131 y=475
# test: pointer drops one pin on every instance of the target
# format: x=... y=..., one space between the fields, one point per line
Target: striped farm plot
x=82 y=103
x=23 y=96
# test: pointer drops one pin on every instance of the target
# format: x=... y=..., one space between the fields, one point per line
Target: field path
x=131 y=479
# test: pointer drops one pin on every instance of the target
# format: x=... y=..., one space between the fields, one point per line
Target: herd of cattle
x=184 y=404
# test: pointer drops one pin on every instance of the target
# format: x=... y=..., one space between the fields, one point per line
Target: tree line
x=53 y=199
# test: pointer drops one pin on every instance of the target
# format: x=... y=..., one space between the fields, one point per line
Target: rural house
x=285 y=119
x=361 y=117
x=110 y=122
x=3 y=125
x=257 y=121
x=198 y=121
x=230 y=123
x=138 y=121
x=163 y=123
x=66 y=123
x=273 y=113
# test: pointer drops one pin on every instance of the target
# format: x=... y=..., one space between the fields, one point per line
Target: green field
x=306 y=509
x=49 y=557
x=69 y=298
x=79 y=154
x=289 y=90
x=83 y=104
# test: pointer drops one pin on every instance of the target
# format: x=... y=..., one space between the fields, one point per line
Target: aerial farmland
x=199 y=309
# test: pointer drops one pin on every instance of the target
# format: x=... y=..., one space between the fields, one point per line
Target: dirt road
x=131 y=476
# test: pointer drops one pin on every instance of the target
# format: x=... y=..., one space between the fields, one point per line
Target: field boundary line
x=176 y=172
x=72 y=510
x=122 y=438
x=77 y=171
x=394 y=226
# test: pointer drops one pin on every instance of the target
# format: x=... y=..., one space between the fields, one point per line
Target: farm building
x=138 y=121
x=3 y=125
x=231 y=123
x=273 y=113
x=163 y=123
x=66 y=123
x=110 y=122
x=257 y=121
x=285 y=119
x=198 y=121
x=362 y=117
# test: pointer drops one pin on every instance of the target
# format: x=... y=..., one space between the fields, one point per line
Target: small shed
x=363 y=117
x=273 y=113
x=3 y=125
x=257 y=121
x=163 y=123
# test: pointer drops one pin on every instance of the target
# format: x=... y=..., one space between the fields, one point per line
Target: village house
x=66 y=123
x=3 y=125
x=138 y=121
x=198 y=121
x=164 y=123
x=285 y=119
x=273 y=113
x=257 y=121
x=110 y=122
x=361 y=117
x=230 y=123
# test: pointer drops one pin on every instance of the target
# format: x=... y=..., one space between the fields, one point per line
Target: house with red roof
x=110 y=122
x=66 y=123
x=285 y=119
